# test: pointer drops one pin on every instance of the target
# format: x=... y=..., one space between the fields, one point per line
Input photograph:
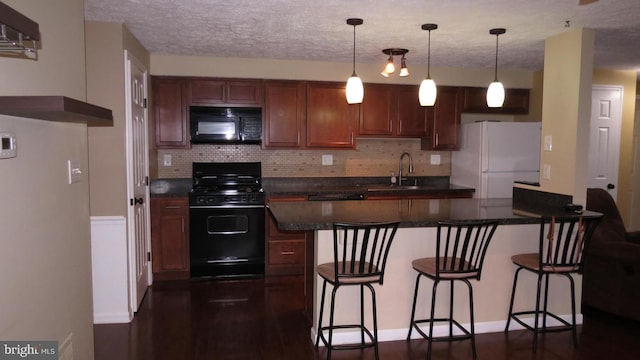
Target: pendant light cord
x=354 y=51
x=429 y=57
x=496 y=71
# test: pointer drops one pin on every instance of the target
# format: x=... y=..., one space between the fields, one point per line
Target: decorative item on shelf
x=18 y=34
x=428 y=91
x=390 y=68
x=495 y=92
x=355 y=89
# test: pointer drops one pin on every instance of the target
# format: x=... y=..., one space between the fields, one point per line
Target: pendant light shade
x=495 y=92
x=355 y=89
x=428 y=90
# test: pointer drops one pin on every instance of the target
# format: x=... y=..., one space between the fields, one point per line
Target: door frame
x=129 y=58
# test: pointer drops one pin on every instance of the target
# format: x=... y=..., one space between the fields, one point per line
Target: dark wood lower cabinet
x=170 y=238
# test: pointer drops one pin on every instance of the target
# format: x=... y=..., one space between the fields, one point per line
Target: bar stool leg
x=451 y=309
x=375 y=321
x=473 y=329
x=535 y=327
x=319 y=330
x=333 y=302
x=413 y=308
x=573 y=311
x=513 y=295
x=433 y=311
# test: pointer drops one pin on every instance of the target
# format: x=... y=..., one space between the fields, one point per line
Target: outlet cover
x=327 y=159
x=546 y=171
x=435 y=159
x=167 y=160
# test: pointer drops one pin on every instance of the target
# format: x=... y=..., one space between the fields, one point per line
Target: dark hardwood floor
x=251 y=319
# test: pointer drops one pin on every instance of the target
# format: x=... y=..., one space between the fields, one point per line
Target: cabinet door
x=206 y=91
x=170 y=113
x=170 y=238
x=244 y=92
x=284 y=114
x=516 y=101
x=330 y=120
x=444 y=120
x=412 y=118
x=377 y=111
x=232 y=92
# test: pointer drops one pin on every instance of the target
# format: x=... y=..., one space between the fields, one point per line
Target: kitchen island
x=518 y=233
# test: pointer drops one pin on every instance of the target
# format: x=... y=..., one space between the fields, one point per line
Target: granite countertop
x=179 y=187
x=363 y=186
x=320 y=215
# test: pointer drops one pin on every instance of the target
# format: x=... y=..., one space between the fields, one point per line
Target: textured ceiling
x=317 y=30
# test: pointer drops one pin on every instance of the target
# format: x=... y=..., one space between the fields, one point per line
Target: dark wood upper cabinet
x=330 y=120
x=443 y=120
x=232 y=92
x=412 y=118
x=170 y=113
x=392 y=111
x=516 y=101
x=284 y=114
x=378 y=110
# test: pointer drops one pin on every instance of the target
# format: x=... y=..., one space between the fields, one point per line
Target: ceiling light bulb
x=404 y=71
x=390 y=68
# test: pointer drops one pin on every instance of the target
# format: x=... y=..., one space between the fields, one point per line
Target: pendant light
x=495 y=92
x=355 y=89
x=428 y=91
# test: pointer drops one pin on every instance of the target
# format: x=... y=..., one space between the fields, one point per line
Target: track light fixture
x=495 y=92
x=428 y=91
x=355 y=89
x=390 y=68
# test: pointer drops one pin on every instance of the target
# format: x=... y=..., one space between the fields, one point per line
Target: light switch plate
x=74 y=171
x=548 y=144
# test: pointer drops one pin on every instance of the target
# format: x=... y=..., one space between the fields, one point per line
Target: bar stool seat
x=460 y=252
x=360 y=257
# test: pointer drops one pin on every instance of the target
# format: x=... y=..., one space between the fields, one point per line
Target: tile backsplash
x=372 y=157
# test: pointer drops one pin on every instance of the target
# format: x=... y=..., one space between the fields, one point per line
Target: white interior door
x=137 y=178
x=604 y=141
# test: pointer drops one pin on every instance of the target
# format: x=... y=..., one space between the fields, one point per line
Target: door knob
x=611 y=186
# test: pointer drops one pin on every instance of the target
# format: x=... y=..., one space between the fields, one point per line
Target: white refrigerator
x=494 y=154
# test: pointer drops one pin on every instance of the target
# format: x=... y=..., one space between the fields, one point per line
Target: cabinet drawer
x=173 y=206
x=285 y=252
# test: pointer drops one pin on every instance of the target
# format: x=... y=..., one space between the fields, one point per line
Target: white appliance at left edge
x=495 y=154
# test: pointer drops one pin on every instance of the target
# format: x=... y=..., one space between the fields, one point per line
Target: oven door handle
x=228 y=207
x=226 y=261
x=226 y=232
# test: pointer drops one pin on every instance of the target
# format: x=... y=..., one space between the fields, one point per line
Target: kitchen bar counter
x=518 y=232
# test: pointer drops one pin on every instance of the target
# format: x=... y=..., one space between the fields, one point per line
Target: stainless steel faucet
x=410 y=166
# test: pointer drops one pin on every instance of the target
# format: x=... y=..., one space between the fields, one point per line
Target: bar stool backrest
x=562 y=241
x=361 y=250
x=461 y=248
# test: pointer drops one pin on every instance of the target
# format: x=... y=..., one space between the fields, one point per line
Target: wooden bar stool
x=460 y=251
x=561 y=242
x=359 y=259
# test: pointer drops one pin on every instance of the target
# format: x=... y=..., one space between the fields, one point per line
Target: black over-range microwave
x=225 y=125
